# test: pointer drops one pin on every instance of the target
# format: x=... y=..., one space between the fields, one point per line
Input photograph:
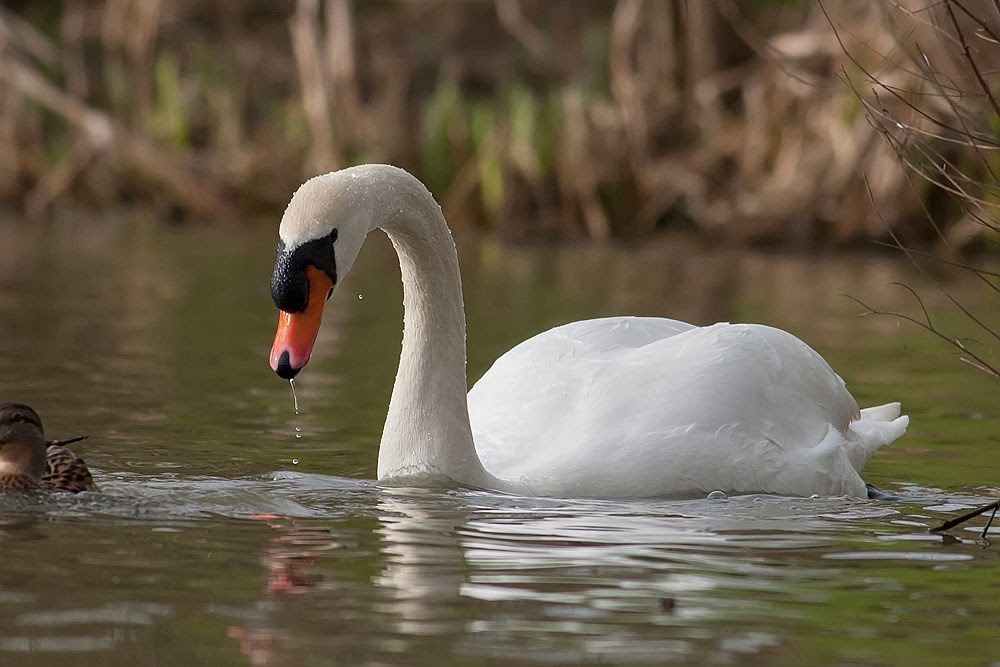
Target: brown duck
x=28 y=461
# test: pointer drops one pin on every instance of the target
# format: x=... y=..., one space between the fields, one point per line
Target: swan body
x=613 y=407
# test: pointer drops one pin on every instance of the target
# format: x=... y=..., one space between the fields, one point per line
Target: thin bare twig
x=911 y=254
x=965 y=131
x=983 y=25
x=67 y=441
x=897 y=245
x=967 y=52
x=958 y=520
x=928 y=325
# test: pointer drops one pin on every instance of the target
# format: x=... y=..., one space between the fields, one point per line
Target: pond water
x=233 y=531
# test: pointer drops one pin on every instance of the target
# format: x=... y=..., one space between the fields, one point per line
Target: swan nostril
x=284 y=368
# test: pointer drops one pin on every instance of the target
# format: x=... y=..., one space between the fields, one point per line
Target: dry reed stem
x=700 y=113
x=313 y=80
x=104 y=134
x=340 y=53
x=512 y=18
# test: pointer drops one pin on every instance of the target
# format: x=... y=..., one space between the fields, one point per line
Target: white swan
x=615 y=407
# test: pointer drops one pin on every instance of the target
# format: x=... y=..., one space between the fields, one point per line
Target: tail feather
x=878 y=426
x=882 y=413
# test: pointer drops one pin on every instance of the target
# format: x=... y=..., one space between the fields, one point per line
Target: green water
x=222 y=538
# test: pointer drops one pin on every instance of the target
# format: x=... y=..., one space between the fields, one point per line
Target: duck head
x=320 y=236
x=22 y=443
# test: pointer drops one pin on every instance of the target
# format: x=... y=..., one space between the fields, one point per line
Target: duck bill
x=296 y=334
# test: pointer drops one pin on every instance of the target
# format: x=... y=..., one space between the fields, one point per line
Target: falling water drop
x=295 y=397
x=361 y=297
x=295 y=402
x=295 y=462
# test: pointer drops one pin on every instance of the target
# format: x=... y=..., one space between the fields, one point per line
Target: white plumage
x=615 y=407
x=630 y=406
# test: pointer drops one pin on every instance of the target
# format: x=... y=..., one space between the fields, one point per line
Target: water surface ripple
x=223 y=538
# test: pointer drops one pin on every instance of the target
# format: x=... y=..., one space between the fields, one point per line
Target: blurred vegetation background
x=760 y=121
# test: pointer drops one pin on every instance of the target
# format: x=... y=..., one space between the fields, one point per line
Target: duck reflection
x=291 y=560
x=292 y=555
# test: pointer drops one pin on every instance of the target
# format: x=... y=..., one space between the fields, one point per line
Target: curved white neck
x=427 y=435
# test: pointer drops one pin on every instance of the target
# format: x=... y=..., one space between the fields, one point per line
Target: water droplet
x=361 y=297
x=295 y=396
x=295 y=462
x=717 y=495
x=295 y=402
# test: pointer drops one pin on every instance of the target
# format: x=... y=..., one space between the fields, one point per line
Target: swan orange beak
x=296 y=334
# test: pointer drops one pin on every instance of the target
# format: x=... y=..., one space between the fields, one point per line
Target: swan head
x=320 y=235
x=22 y=442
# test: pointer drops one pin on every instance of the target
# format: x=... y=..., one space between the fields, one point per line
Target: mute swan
x=29 y=462
x=615 y=407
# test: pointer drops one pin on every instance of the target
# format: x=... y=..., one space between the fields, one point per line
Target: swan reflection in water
x=478 y=573
x=425 y=568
